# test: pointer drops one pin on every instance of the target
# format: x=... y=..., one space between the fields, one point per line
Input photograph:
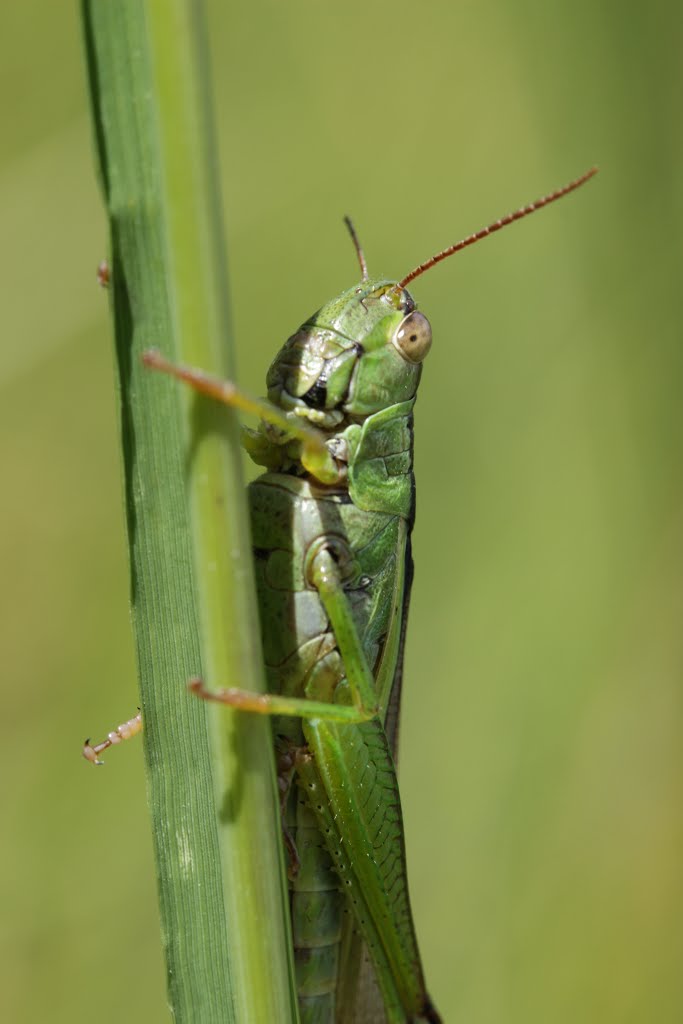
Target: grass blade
x=222 y=898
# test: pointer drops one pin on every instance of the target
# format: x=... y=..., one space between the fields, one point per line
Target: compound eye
x=413 y=337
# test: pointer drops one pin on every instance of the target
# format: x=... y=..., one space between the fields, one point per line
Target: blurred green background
x=541 y=737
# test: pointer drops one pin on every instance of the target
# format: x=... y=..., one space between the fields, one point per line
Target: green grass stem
x=210 y=772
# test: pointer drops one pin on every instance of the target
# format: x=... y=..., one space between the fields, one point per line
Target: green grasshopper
x=331 y=520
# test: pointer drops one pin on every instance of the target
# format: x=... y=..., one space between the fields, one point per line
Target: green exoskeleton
x=331 y=520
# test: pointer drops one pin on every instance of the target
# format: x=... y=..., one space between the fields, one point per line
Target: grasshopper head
x=363 y=351
x=360 y=353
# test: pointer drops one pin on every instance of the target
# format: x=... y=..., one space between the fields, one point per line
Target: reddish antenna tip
x=510 y=218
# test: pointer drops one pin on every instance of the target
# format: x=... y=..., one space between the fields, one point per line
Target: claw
x=123 y=732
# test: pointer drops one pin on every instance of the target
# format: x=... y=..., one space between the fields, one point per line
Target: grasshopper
x=331 y=520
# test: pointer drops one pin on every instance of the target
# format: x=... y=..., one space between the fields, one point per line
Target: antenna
x=496 y=226
x=359 y=249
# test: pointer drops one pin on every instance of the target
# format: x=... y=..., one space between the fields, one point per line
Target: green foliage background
x=541 y=738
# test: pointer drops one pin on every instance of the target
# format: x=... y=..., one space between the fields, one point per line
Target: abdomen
x=289 y=517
